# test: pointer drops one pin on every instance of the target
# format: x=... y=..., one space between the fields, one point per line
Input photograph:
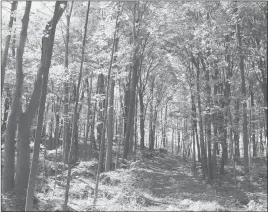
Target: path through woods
x=154 y=182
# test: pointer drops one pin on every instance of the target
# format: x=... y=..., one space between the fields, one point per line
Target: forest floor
x=154 y=182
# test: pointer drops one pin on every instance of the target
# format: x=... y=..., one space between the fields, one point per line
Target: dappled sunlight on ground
x=163 y=182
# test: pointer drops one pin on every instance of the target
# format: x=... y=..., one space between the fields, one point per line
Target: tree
x=134 y=79
x=47 y=47
x=243 y=90
x=66 y=87
x=75 y=115
x=108 y=163
x=9 y=154
x=102 y=144
x=14 y=6
x=201 y=132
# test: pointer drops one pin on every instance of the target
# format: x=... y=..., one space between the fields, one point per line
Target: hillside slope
x=154 y=182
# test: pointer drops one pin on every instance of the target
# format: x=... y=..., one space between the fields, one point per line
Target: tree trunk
x=214 y=158
x=253 y=130
x=126 y=103
x=151 y=137
x=101 y=107
x=47 y=48
x=136 y=129
x=9 y=152
x=14 y=6
x=261 y=137
x=89 y=114
x=101 y=152
x=236 y=131
x=165 y=126
x=75 y=114
x=120 y=139
x=6 y=109
x=208 y=120
x=132 y=96
x=66 y=127
x=141 y=120
x=179 y=137
x=202 y=146
x=244 y=93
x=193 y=127
x=57 y=123
x=92 y=135
x=109 y=160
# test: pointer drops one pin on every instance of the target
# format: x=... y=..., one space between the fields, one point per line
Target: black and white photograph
x=134 y=105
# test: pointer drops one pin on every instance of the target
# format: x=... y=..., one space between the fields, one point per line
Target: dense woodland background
x=110 y=82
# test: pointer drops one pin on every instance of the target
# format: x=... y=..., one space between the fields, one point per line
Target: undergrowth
x=156 y=181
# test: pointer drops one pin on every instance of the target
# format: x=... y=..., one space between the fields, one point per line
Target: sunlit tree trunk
x=179 y=136
x=75 y=112
x=101 y=92
x=6 y=109
x=47 y=47
x=141 y=120
x=253 y=130
x=133 y=85
x=165 y=126
x=108 y=163
x=14 y=6
x=89 y=114
x=244 y=93
x=202 y=145
x=236 y=130
x=9 y=152
x=208 y=120
x=66 y=127
x=151 y=137
x=102 y=145
x=193 y=125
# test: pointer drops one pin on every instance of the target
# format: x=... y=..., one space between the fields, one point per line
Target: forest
x=134 y=106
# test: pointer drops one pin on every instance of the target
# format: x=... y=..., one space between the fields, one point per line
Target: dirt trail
x=162 y=182
x=174 y=188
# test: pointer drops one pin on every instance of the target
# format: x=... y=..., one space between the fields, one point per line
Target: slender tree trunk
x=236 y=131
x=9 y=152
x=92 y=135
x=14 y=6
x=208 y=120
x=47 y=47
x=89 y=114
x=108 y=164
x=179 y=137
x=202 y=145
x=57 y=124
x=253 y=126
x=75 y=114
x=261 y=137
x=66 y=127
x=141 y=120
x=6 y=109
x=214 y=158
x=136 y=129
x=135 y=68
x=151 y=137
x=121 y=138
x=101 y=107
x=101 y=152
x=56 y=137
x=165 y=126
x=172 y=141
x=243 y=90
x=193 y=127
